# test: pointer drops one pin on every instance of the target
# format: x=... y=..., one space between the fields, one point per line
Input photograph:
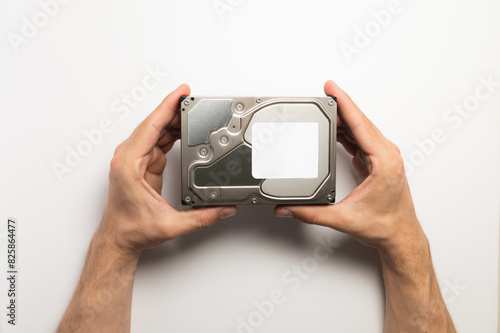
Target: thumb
x=200 y=218
x=326 y=215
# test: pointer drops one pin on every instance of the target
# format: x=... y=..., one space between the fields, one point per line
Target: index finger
x=147 y=134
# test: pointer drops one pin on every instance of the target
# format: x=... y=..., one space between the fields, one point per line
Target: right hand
x=380 y=211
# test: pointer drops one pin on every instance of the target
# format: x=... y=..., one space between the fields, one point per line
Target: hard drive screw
x=224 y=140
x=330 y=102
x=203 y=152
x=254 y=201
x=258 y=100
x=186 y=102
x=239 y=107
x=213 y=195
x=329 y=197
x=187 y=199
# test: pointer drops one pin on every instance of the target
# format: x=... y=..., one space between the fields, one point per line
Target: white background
x=64 y=80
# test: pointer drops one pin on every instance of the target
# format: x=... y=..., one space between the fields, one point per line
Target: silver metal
x=186 y=102
x=203 y=151
x=222 y=125
x=288 y=113
x=206 y=116
x=239 y=107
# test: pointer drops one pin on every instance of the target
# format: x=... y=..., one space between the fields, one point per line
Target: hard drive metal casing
x=216 y=150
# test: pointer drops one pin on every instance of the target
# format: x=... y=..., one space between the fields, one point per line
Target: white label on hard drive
x=285 y=150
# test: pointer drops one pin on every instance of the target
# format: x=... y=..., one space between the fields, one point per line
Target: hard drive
x=253 y=151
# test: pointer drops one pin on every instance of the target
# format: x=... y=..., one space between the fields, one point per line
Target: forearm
x=413 y=299
x=103 y=298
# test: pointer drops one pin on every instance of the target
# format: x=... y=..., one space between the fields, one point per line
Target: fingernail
x=284 y=213
x=179 y=87
x=228 y=212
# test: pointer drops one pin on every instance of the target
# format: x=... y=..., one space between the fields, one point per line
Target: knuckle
x=308 y=215
x=394 y=170
x=205 y=221
x=117 y=164
x=119 y=148
x=397 y=159
x=151 y=123
x=167 y=233
x=396 y=148
x=391 y=166
x=399 y=166
x=398 y=163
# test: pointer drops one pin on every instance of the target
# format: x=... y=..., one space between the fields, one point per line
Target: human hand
x=380 y=211
x=136 y=216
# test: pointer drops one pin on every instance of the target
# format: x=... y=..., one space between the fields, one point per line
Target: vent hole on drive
x=183 y=109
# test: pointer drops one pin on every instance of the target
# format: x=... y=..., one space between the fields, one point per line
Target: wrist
x=413 y=297
x=406 y=257
x=104 y=241
x=102 y=300
x=407 y=247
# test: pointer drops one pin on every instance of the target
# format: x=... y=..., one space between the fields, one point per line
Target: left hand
x=136 y=215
